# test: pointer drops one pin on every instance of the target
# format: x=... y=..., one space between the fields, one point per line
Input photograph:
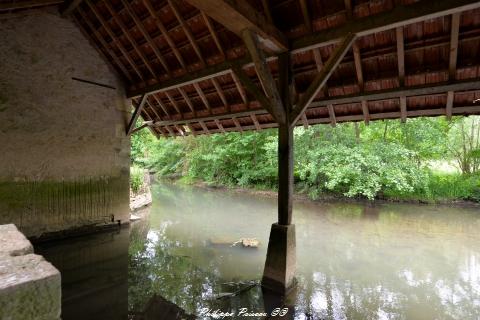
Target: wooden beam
x=255 y=122
x=240 y=89
x=305 y=121
x=423 y=90
x=237 y=124
x=400 y=15
x=16 y=5
x=366 y=112
x=104 y=44
x=322 y=77
x=180 y=130
x=186 y=30
x=170 y=131
x=219 y=90
x=136 y=114
x=348 y=8
x=187 y=100
x=210 y=72
x=264 y=74
x=204 y=127
x=267 y=10
x=454 y=45
x=358 y=65
x=147 y=37
x=202 y=96
x=191 y=129
x=331 y=114
x=403 y=108
x=306 y=16
x=238 y=16
x=174 y=103
x=160 y=103
x=219 y=125
x=110 y=33
x=449 y=107
x=254 y=90
x=212 y=31
x=69 y=7
x=164 y=32
x=400 y=56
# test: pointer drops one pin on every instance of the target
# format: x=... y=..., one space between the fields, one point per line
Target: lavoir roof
x=191 y=68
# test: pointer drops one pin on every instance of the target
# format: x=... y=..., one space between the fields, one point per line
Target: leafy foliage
x=385 y=159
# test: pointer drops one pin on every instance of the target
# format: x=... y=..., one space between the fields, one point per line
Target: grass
x=136 y=178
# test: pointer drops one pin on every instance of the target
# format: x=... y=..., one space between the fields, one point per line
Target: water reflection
x=355 y=261
x=94 y=273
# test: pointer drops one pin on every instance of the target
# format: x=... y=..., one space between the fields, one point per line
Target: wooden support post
x=281 y=257
x=403 y=108
x=136 y=114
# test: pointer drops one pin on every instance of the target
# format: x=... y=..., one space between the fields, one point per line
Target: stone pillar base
x=278 y=275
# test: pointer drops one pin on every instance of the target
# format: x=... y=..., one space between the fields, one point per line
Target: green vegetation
x=136 y=178
x=425 y=159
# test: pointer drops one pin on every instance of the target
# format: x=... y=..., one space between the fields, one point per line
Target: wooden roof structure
x=208 y=66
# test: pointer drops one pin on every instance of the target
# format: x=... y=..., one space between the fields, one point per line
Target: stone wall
x=65 y=157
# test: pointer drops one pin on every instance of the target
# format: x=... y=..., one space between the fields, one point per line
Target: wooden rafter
x=306 y=16
x=162 y=106
x=187 y=100
x=400 y=55
x=126 y=33
x=240 y=89
x=366 y=112
x=403 y=108
x=395 y=93
x=400 y=15
x=219 y=90
x=16 y=5
x=264 y=74
x=103 y=43
x=202 y=96
x=187 y=31
x=331 y=114
x=348 y=8
x=69 y=6
x=449 y=107
x=255 y=122
x=204 y=127
x=173 y=102
x=253 y=89
x=267 y=10
x=136 y=114
x=219 y=125
x=165 y=33
x=237 y=124
x=238 y=16
x=452 y=68
x=112 y=35
x=358 y=65
x=212 y=31
x=322 y=77
x=139 y=25
x=305 y=120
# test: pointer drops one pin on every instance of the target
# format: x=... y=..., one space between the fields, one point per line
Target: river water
x=354 y=261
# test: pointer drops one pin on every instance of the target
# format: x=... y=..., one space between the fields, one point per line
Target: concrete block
x=30 y=287
x=280 y=265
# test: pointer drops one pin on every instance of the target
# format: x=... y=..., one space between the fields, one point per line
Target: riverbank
x=324 y=197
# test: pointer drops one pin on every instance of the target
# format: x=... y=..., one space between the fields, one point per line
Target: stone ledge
x=30 y=287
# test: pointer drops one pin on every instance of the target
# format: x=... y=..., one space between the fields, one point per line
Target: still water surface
x=354 y=260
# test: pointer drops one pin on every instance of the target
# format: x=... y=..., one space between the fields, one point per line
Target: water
x=355 y=260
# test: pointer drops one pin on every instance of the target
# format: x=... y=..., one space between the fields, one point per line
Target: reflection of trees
x=355 y=261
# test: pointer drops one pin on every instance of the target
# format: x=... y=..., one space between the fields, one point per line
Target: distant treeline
x=427 y=159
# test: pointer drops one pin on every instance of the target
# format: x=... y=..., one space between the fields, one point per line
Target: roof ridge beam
x=237 y=15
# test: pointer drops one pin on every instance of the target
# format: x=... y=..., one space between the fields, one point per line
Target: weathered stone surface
x=14 y=243
x=278 y=275
x=30 y=287
x=65 y=157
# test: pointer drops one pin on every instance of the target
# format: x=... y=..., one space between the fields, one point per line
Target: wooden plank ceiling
x=187 y=61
